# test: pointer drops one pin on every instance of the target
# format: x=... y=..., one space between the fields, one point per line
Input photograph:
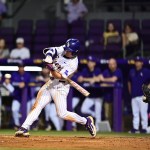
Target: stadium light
x=15 y=68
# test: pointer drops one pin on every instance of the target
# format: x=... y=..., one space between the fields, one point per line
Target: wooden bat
x=78 y=87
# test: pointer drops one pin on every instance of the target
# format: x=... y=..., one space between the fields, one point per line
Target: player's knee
x=62 y=114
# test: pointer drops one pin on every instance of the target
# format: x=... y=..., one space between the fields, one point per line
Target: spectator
x=130 y=40
x=111 y=35
x=7 y=84
x=3 y=11
x=137 y=77
x=111 y=75
x=4 y=52
x=20 y=80
x=75 y=10
x=87 y=77
x=21 y=52
x=50 y=109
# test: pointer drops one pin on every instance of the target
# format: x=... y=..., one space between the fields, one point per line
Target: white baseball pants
x=50 y=113
x=139 y=108
x=86 y=109
x=15 y=111
x=58 y=92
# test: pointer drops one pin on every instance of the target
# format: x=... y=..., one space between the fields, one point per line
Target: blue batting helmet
x=72 y=45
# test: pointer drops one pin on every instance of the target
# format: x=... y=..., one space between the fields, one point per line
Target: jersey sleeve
x=53 y=51
x=68 y=70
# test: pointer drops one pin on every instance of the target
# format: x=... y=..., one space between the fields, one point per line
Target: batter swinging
x=62 y=62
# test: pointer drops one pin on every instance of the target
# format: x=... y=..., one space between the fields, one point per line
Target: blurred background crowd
x=114 y=55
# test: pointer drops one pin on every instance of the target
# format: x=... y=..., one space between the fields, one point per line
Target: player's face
x=112 y=64
x=21 y=70
x=91 y=65
x=68 y=54
x=138 y=65
x=19 y=45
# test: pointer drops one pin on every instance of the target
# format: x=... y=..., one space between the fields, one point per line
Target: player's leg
x=135 y=112
x=75 y=101
x=144 y=114
x=43 y=98
x=15 y=112
x=98 y=111
x=47 y=116
x=60 y=99
x=54 y=117
x=86 y=106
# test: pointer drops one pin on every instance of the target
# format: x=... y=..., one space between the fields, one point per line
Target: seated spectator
x=4 y=52
x=130 y=40
x=111 y=75
x=20 y=80
x=87 y=77
x=7 y=84
x=3 y=11
x=75 y=10
x=20 y=52
x=111 y=35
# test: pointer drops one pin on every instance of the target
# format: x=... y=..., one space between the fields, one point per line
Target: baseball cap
x=19 y=40
x=7 y=76
x=91 y=58
x=138 y=58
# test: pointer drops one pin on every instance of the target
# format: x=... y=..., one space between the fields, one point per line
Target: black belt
x=62 y=81
x=52 y=78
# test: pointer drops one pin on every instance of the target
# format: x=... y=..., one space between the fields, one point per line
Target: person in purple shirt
x=138 y=76
x=87 y=78
x=20 y=80
x=112 y=75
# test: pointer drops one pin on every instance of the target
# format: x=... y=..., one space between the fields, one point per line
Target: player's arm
x=84 y=79
x=110 y=79
x=129 y=87
x=56 y=74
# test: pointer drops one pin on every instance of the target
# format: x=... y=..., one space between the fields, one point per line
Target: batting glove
x=48 y=59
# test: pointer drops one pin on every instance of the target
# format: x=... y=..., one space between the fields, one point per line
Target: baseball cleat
x=90 y=126
x=134 y=131
x=22 y=132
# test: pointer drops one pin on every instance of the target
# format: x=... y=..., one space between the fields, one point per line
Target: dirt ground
x=79 y=143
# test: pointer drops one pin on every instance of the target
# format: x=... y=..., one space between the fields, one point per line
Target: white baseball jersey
x=56 y=89
x=65 y=66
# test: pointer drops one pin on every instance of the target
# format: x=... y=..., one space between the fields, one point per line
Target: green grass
x=73 y=133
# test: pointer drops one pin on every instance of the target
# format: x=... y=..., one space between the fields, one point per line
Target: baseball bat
x=78 y=87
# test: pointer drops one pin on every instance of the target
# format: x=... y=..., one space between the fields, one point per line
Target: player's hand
x=101 y=78
x=146 y=92
x=48 y=59
x=21 y=85
x=80 y=79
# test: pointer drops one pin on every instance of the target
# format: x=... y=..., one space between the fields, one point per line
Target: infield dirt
x=75 y=143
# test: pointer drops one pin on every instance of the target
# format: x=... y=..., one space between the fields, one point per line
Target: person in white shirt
x=7 y=83
x=76 y=10
x=20 y=52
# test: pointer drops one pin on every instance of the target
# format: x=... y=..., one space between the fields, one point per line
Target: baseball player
x=138 y=76
x=87 y=77
x=20 y=79
x=62 y=62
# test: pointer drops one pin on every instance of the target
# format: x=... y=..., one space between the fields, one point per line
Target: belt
x=52 y=78
x=62 y=81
